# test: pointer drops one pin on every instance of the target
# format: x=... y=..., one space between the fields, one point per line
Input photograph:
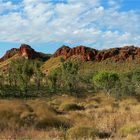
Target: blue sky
x=48 y=24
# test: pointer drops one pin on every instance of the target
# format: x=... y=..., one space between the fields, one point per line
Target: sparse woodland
x=68 y=104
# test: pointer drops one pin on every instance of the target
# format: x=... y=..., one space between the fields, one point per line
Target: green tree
x=1 y=81
x=52 y=79
x=23 y=72
x=105 y=81
x=127 y=86
x=136 y=81
x=69 y=71
x=38 y=75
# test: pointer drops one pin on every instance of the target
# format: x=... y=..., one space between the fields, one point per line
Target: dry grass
x=50 y=64
x=43 y=118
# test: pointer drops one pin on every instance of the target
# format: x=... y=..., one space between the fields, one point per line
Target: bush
x=127 y=86
x=69 y=75
x=106 y=81
x=129 y=129
x=82 y=132
x=71 y=107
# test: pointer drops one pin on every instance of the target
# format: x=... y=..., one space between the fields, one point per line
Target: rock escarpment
x=24 y=51
x=89 y=54
x=86 y=53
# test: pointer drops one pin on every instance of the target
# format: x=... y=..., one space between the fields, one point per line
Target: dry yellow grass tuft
x=61 y=118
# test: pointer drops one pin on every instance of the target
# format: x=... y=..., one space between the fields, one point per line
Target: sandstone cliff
x=89 y=54
x=24 y=51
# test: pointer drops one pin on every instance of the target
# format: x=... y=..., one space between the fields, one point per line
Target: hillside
x=116 y=59
x=23 y=51
x=74 y=102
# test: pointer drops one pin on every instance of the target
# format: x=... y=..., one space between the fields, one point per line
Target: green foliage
x=23 y=71
x=127 y=87
x=106 y=81
x=38 y=75
x=69 y=71
x=136 y=81
x=20 y=77
x=62 y=59
x=53 y=80
x=25 y=77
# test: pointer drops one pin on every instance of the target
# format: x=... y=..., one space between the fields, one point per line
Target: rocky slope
x=89 y=54
x=24 y=51
x=86 y=53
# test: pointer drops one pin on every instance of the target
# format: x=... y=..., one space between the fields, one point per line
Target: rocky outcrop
x=28 y=52
x=86 y=53
x=119 y=54
x=62 y=51
x=24 y=51
x=9 y=54
x=89 y=54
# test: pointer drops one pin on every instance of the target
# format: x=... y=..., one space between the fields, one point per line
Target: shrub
x=82 y=132
x=70 y=107
x=127 y=86
x=53 y=79
x=106 y=81
x=129 y=129
x=69 y=76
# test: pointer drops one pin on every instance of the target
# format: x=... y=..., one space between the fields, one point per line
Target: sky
x=48 y=24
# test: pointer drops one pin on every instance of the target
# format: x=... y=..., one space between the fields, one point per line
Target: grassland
x=66 y=117
x=51 y=64
x=7 y=62
x=92 y=116
x=93 y=66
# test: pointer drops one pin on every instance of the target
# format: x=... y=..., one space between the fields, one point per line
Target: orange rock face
x=86 y=53
x=89 y=54
x=27 y=51
x=9 y=54
x=24 y=51
x=62 y=51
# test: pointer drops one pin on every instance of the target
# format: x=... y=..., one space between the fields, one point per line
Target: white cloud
x=7 y=6
x=83 y=22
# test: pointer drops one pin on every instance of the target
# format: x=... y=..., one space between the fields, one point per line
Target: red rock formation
x=27 y=51
x=88 y=54
x=9 y=54
x=24 y=51
x=62 y=51
x=119 y=54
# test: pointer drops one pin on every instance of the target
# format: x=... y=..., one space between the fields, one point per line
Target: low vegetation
x=43 y=118
x=82 y=132
x=66 y=103
x=70 y=107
